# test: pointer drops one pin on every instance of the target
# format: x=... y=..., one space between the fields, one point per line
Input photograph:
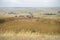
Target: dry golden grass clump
x=40 y=25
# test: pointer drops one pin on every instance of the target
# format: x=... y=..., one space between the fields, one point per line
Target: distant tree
x=49 y=14
x=58 y=11
x=21 y=16
x=11 y=13
x=30 y=14
x=16 y=16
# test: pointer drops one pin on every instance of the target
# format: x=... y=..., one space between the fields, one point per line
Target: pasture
x=29 y=24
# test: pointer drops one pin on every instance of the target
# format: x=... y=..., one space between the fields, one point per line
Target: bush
x=50 y=14
x=58 y=11
x=2 y=21
x=33 y=31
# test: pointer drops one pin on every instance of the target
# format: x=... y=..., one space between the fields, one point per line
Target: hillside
x=40 y=25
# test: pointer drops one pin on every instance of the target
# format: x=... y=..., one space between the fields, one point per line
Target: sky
x=29 y=3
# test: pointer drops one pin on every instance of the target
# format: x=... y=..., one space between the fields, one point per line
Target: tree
x=15 y=16
x=12 y=13
x=30 y=14
x=58 y=11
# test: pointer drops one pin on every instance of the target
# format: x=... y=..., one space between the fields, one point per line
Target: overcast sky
x=29 y=3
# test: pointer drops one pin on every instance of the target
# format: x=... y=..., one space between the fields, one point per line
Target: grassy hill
x=40 y=25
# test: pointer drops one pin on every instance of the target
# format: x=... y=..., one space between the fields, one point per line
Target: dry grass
x=41 y=25
x=44 y=28
x=27 y=36
x=29 y=29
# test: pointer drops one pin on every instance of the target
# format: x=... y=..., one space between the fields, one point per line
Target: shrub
x=58 y=11
x=2 y=21
x=50 y=14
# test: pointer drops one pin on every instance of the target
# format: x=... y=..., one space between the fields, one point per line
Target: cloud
x=29 y=3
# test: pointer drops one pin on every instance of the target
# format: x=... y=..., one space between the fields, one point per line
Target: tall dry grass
x=40 y=25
